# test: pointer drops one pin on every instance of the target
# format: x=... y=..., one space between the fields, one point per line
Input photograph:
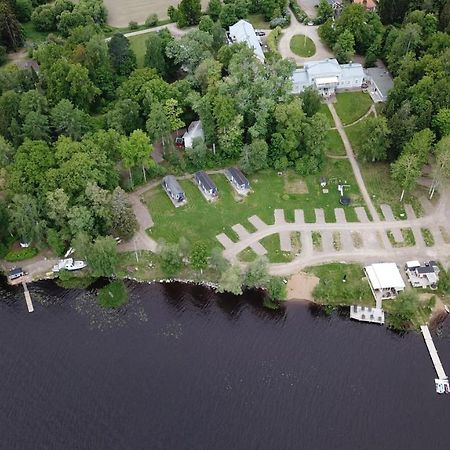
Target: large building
x=328 y=76
x=243 y=31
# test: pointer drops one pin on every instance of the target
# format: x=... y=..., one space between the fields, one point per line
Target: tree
x=324 y=11
x=218 y=261
x=442 y=166
x=80 y=220
x=123 y=219
x=6 y=152
x=206 y=24
x=405 y=172
x=199 y=256
x=25 y=221
x=197 y=154
x=228 y=15
x=376 y=142
x=276 y=289
x=103 y=257
x=420 y=145
x=214 y=9
x=231 y=280
x=24 y=8
x=155 y=56
x=441 y=122
x=123 y=59
x=67 y=120
x=254 y=156
x=403 y=310
x=36 y=127
x=10 y=30
x=124 y=117
x=257 y=274
x=170 y=258
x=311 y=101
x=57 y=207
x=344 y=49
x=189 y=13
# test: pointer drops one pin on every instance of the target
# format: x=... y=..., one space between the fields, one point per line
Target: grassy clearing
x=333 y=290
x=357 y=134
x=351 y=106
x=325 y=111
x=383 y=189
x=113 y=295
x=274 y=254
x=258 y=22
x=302 y=45
x=408 y=236
x=202 y=219
x=33 y=35
x=427 y=237
x=137 y=44
x=247 y=255
x=335 y=146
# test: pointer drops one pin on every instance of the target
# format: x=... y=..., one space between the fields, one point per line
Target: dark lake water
x=184 y=368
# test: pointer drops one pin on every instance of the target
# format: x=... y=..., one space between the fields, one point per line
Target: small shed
x=15 y=273
x=173 y=189
x=195 y=130
x=237 y=179
x=206 y=185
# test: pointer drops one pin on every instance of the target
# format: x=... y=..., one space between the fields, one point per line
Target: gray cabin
x=206 y=184
x=237 y=178
x=173 y=188
x=15 y=273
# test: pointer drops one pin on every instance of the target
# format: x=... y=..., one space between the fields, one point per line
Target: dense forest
x=79 y=132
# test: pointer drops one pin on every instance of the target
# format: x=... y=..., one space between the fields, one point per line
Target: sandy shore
x=301 y=285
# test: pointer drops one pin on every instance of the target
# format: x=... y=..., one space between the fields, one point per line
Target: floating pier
x=27 y=297
x=442 y=384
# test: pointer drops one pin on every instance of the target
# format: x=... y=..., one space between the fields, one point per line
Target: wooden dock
x=27 y=297
x=433 y=353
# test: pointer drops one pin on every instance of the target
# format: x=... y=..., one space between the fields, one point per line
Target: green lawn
x=335 y=146
x=200 y=220
x=325 y=111
x=258 y=21
x=351 y=106
x=332 y=289
x=302 y=45
x=137 y=43
x=356 y=134
x=31 y=34
x=274 y=254
x=383 y=189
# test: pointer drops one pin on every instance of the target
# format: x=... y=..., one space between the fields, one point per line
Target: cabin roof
x=172 y=183
x=205 y=180
x=238 y=175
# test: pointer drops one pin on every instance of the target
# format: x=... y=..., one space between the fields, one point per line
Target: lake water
x=184 y=368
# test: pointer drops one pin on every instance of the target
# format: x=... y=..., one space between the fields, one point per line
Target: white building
x=424 y=275
x=328 y=76
x=195 y=130
x=385 y=281
x=243 y=31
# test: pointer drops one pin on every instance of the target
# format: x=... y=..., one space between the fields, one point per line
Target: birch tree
x=405 y=172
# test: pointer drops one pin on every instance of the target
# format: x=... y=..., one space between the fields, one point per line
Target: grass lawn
x=258 y=21
x=335 y=146
x=302 y=45
x=200 y=220
x=31 y=34
x=137 y=43
x=383 y=189
x=332 y=289
x=351 y=106
x=324 y=110
x=427 y=237
x=247 y=255
x=274 y=254
x=408 y=236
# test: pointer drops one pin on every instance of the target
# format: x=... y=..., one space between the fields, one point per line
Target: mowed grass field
x=121 y=12
x=200 y=220
x=351 y=106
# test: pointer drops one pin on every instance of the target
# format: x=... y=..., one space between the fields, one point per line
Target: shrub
x=133 y=25
x=113 y=295
x=55 y=242
x=273 y=39
x=299 y=14
x=3 y=55
x=24 y=8
x=279 y=22
x=21 y=255
x=152 y=20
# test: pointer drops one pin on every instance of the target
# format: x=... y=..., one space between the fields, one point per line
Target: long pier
x=27 y=297
x=433 y=353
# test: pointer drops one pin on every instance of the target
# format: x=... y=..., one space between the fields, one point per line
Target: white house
x=385 y=281
x=195 y=130
x=424 y=275
x=243 y=31
x=328 y=76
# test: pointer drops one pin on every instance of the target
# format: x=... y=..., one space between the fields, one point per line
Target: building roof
x=326 y=67
x=205 y=180
x=385 y=276
x=238 y=175
x=243 y=31
x=172 y=184
x=194 y=130
x=15 y=271
x=352 y=70
x=425 y=269
x=412 y=264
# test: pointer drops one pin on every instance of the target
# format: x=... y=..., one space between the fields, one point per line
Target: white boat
x=69 y=264
x=442 y=386
x=446 y=309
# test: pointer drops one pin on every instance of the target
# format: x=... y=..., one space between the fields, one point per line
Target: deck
x=433 y=353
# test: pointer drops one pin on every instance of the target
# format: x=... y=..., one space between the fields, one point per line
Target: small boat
x=442 y=386
x=69 y=264
x=446 y=309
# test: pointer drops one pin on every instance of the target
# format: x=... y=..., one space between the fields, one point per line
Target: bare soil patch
x=301 y=285
x=295 y=186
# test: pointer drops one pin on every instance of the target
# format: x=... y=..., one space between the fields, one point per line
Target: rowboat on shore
x=69 y=264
